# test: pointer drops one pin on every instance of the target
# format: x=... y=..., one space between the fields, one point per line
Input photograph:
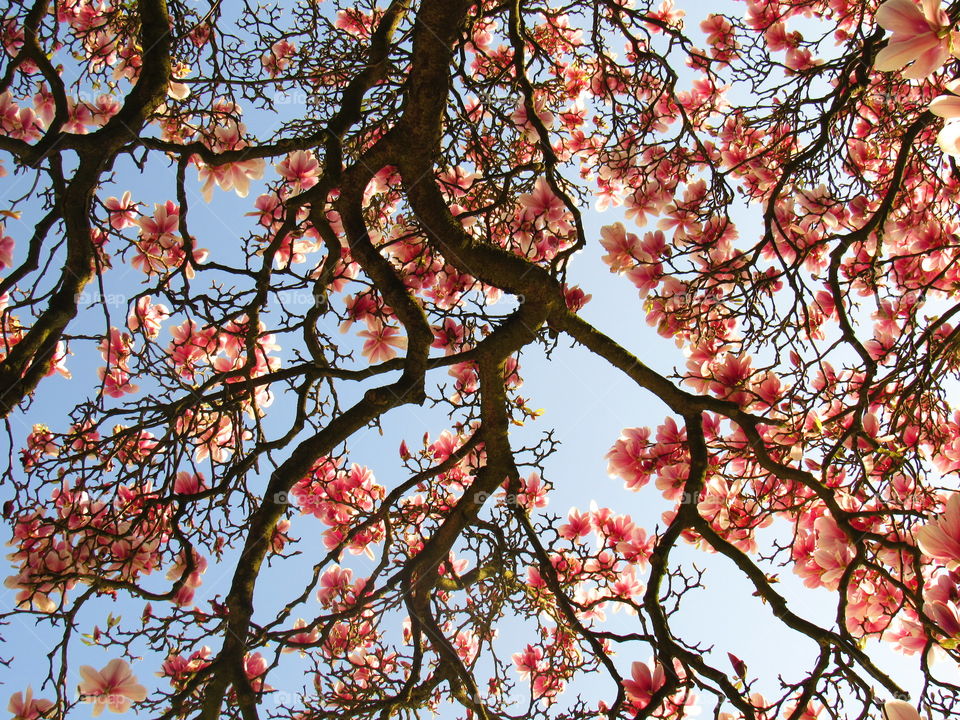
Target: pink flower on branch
x=940 y=538
x=146 y=317
x=114 y=687
x=899 y=710
x=123 y=212
x=921 y=35
x=643 y=682
x=948 y=107
x=300 y=169
x=6 y=249
x=25 y=707
x=381 y=341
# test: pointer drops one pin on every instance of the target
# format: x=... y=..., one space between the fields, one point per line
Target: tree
x=793 y=202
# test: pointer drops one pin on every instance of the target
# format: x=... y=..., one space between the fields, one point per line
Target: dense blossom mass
x=239 y=240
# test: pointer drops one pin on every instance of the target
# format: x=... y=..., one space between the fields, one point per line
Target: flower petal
x=901 y=16
x=946 y=106
x=928 y=63
x=900 y=710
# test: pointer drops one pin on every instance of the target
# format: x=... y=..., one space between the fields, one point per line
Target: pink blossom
x=178 y=668
x=533 y=492
x=833 y=552
x=28 y=595
x=945 y=615
x=467 y=645
x=382 y=341
x=578 y=525
x=200 y=34
x=228 y=135
x=300 y=168
x=528 y=662
x=449 y=336
x=628 y=459
x=25 y=707
x=720 y=37
x=643 y=682
x=534 y=580
x=165 y=221
x=302 y=638
x=921 y=35
x=123 y=212
x=255 y=667
x=113 y=687
x=626 y=586
x=948 y=107
x=6 y=249
x=177 y=572
x=730 y=377
x=334 y=582
x=575 y=298
x=147 y=317
x=638 y=548
x=521 y=119
x=116 y=382
x=280 y=536
x=278 y=58
x=234 y=176
x=622 y=247
x=20 y=123
x=909 y=637
x=189 y=483
x=544 y=209
x=940 y=538
x=899 y=710
x=456 y=181
x=191 y=346
x=355 y=21
x=444 y=445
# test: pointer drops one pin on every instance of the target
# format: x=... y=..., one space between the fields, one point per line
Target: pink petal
x=933 y=10
x=18 y=703
x=115 y=672
x=641 y=674
x=93 y=682
x=952 y=514
x=901 y=16
x=900 y=710
x=932 y=538
x=133 y=690
x=928 y=63
x=898 y=53
x=118 y=703
x=949 y=138
x=946 y=106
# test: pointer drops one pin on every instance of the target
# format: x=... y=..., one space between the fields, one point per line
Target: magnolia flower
x=381 y=342
x=940 y=538
x=948 y=107
x=113 y=687
x=123 y=212
x=25 y=707
x=921 y=35
x=899 y=710
x=177 y=90
x=6 y=249
x=945 y=615
x=189 y=483
x=643 y=682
